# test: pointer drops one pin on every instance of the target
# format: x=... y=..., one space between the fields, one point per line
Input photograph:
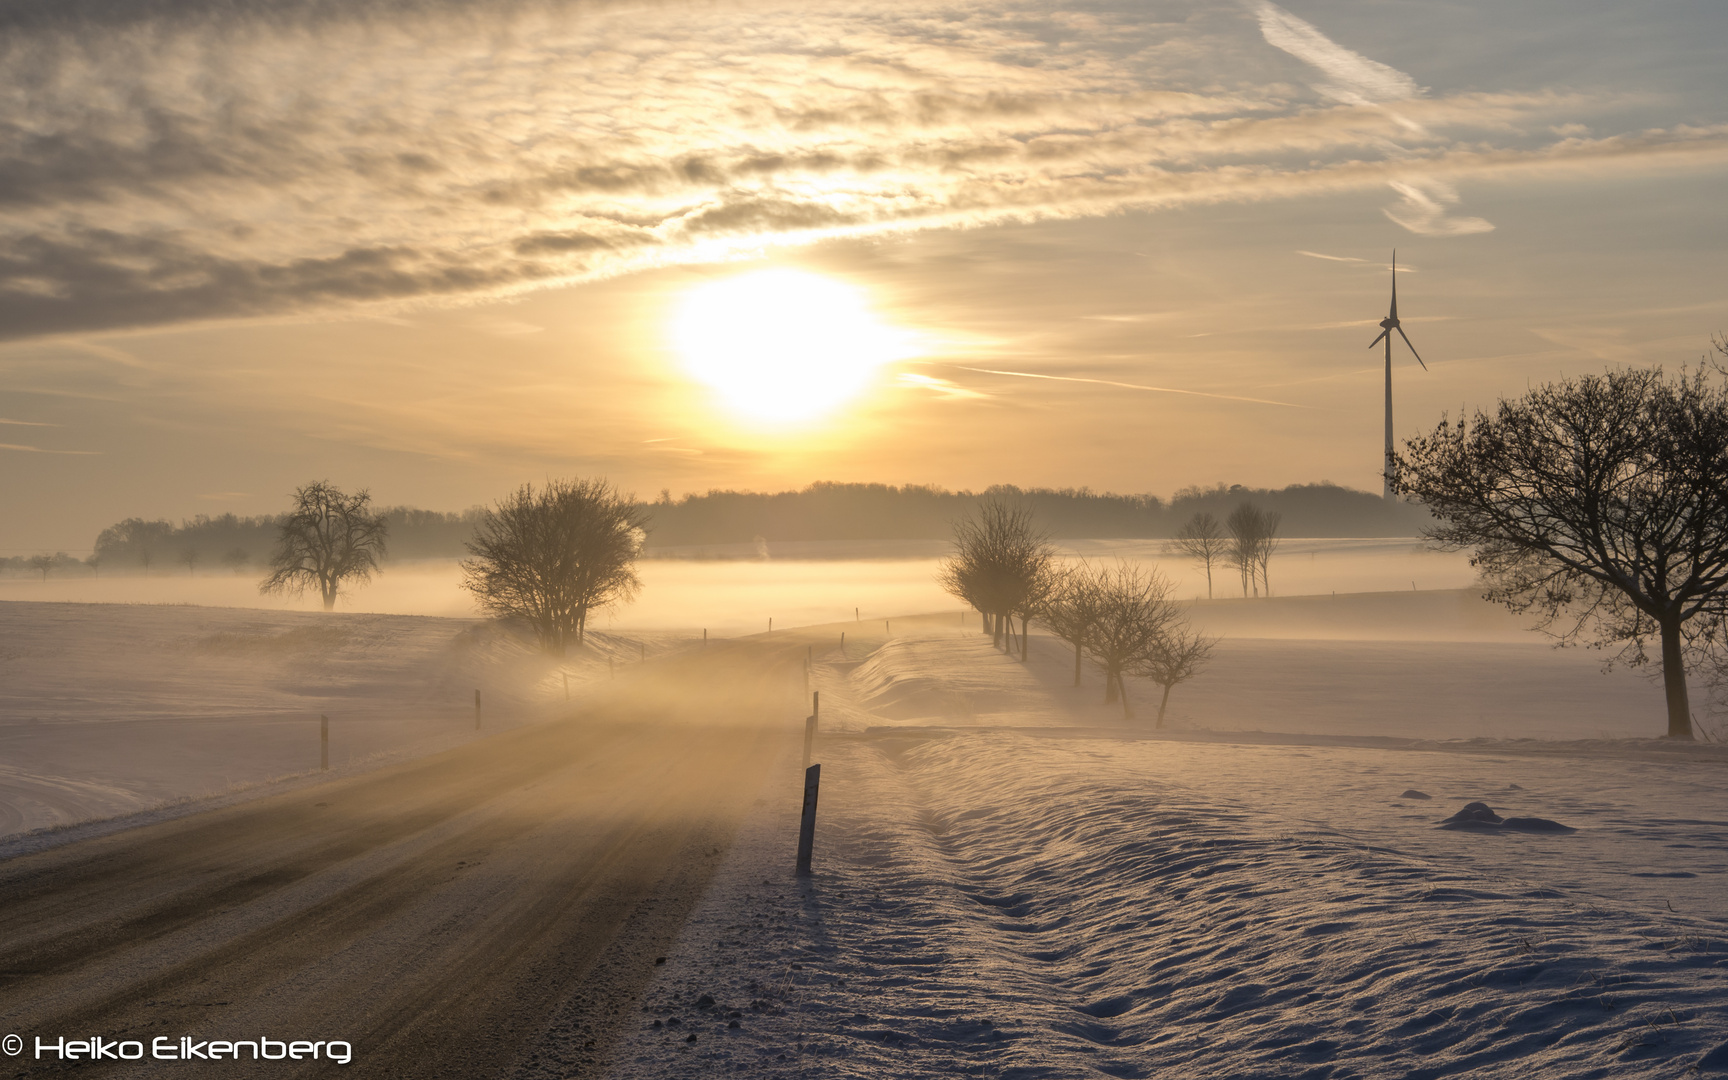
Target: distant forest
x=883 y=512
x=822 y=511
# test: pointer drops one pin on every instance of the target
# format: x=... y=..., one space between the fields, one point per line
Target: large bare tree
x=1201 y=538
x=329 y=539
x=1598 y=503
x=554 y=556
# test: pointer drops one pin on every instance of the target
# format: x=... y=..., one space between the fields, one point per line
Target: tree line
x=229 y=543
x=829 y=511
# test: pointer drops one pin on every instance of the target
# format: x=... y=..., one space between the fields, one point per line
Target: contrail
x=1133 y=386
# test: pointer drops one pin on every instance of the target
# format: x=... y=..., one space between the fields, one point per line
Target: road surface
x=492 y=911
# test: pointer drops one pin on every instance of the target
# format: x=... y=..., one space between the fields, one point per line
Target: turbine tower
x=1387 y=325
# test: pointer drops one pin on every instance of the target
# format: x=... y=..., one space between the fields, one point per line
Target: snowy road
x=480 y=912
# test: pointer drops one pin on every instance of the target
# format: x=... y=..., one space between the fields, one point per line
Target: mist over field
x=732 y=590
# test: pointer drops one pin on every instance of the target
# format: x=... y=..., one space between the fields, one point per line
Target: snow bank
x=1078 y=902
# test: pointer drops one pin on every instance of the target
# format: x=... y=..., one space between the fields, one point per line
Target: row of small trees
x=549 y=557
x=1125 y=617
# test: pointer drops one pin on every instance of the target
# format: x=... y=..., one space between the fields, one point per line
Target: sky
x=439 y=248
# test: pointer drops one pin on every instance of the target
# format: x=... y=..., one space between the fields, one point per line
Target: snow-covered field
x=115 y=708
x=1010 y=884
x=1014 y=881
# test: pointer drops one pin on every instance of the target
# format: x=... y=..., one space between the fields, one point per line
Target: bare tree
x=190 y=557
x=1599 y=503
x=999 y=565
x=1072 y=608
x=555 y=555
x=1202 y=539
x=1136 y=611
x=1042 y=582
x=1253 y=538
x=327 y=540
x=42 y=564
x=1269 y=521
x=1175 y=658
x=236 y=559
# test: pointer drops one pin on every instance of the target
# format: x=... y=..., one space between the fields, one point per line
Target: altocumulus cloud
x=166 y=162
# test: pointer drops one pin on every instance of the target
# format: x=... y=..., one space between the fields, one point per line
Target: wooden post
x=856 y=617
x=323 y=744
x=842 y=643
x=476 y=710
x=886 y=628
x=816 y=704
x=770 y=626
x=704 y=635
x=809 y=737
x=807 y=822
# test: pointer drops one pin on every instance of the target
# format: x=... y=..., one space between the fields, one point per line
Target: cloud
x=40 y=450
x=1352 y=77
x=1424 y=210
x=1135 y=386
x=169 y=162
x=947 y=388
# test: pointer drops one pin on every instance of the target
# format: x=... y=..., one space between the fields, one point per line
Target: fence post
x=323 y=743
x=807 y=823
x=476 y=710
x=810 y=723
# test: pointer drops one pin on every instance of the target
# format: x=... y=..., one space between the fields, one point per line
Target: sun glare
x=782 y=346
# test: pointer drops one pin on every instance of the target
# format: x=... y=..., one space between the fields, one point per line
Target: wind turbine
x=1387 y=325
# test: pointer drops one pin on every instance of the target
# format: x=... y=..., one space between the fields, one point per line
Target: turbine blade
x=1413 y=351
x=1376 y=341
x=1394 y=283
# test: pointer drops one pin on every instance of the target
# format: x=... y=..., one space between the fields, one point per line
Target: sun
x=782 y=346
